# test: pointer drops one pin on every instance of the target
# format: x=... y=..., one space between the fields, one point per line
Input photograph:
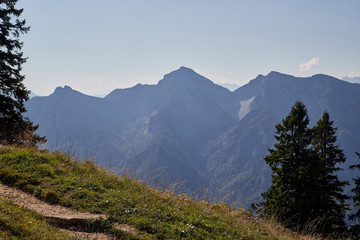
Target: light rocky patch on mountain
x=245 y=107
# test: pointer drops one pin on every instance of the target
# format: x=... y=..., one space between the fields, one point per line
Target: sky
x=98 y=46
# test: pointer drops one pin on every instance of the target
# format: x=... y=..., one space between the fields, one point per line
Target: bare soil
x=88 y=236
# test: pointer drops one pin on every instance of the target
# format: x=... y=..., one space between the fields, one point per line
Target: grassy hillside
x=55 y=178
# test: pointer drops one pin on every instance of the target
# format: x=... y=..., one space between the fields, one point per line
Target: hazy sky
x=97 y=46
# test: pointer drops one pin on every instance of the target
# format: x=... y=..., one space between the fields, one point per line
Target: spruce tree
x=290 y=162
x=329 y=199
x=355 y=228
x=306 y=194
x=14 y=128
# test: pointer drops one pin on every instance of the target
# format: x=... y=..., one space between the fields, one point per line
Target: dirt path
x=49 y=211
x=88 y=236
x=58 y=214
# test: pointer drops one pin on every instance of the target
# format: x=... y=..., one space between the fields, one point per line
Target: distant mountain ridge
x=352 y=79
x=188 y=130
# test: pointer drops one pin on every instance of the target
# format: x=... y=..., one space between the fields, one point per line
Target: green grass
x=19 y=223
x=55 y=178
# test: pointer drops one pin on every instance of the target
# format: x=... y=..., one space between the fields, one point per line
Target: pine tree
x=329 y=199
x=290 y=165
x=14 y=128
x=355 y=228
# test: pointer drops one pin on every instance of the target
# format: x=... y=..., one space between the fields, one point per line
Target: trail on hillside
x=45 y=209
x=59 y=215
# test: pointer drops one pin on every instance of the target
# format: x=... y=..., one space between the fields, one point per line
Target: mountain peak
x=275 y=74
x=272 y=74
x=63 y=89
x=182 y=71
x=185 y=75
x=323 y=76
x=182 y=68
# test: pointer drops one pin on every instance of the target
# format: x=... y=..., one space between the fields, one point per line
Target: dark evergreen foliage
x=305 y=193
x=289 y=162
x=355 y=228
x=329 y=199
x=14 y=128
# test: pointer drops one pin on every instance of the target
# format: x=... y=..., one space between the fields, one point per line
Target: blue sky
x=97 y=46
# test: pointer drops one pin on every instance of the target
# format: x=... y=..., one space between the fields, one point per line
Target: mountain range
x=193 y=136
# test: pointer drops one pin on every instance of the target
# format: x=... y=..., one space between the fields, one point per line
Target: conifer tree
x=290 y=164
x=355 y=228
x=329 y=199
x=14 y=128
x=306 y=194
